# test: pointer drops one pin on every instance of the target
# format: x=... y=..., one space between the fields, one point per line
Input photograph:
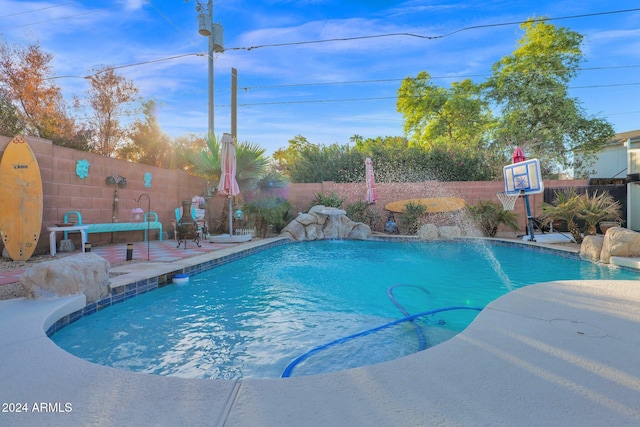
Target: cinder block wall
x=65 y=191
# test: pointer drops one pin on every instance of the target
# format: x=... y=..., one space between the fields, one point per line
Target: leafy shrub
x=409 y=221
x=364 y=212
x=330 y=201
x=264 y=212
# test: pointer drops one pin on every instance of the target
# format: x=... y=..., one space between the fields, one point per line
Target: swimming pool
x=252 y=317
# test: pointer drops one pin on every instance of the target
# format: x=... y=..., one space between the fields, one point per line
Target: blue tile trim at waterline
x=130 y=290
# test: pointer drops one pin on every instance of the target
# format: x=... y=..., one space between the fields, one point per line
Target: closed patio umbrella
x=228 y=185
x=518 y=155
x=371 y=195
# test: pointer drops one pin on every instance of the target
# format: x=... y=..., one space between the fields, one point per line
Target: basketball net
x=508 y=200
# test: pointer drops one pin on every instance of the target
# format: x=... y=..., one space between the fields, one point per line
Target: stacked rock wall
x=325 y=223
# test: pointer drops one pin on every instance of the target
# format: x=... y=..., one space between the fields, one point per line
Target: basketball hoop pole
x=532 y=237
x=524 y=177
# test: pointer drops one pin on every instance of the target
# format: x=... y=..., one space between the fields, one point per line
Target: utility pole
x=234 y=104
x=215 y=33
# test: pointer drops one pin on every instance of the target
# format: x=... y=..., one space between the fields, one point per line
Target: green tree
x=457 y=118
x=287 y=157
x=10 y=123
x=316 y=163
x=148 y=144
x=184 y=148
x=531 y=88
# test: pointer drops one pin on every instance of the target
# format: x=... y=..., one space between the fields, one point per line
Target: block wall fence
x=64 y=190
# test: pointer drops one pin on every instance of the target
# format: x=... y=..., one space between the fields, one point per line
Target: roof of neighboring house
x=620 y=138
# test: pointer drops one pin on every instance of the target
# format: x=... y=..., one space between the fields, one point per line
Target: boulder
x=360 y=231
x=428 y=232
x=295 y=230
x=591 y=248
x=66 y=245
x=620 y=242
x=325 y=223
x=84 y=273
x=449 y=232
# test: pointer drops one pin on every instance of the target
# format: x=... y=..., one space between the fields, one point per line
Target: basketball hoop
x=508 y=200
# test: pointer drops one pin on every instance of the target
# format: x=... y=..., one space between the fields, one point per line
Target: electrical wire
x=35 y=10
x=404 y=34
x=51 y=20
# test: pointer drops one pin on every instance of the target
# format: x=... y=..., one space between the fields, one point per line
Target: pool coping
x=547 y=354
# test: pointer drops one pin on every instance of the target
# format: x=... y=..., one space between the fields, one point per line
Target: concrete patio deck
x=557 y=353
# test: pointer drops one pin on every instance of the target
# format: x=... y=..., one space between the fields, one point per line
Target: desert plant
x=265 y=212
x=489 y=215
x=330 y=201
x=565 y=206
x=597 y=207
x=364 y=212
x=409 y=220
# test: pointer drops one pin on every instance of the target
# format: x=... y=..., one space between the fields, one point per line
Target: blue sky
x=326 y=92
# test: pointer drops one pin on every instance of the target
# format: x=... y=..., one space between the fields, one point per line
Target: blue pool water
x=252 y=317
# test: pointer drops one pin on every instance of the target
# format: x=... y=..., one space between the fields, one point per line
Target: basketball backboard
x=523 y=178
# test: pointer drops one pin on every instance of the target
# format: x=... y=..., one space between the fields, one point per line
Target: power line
x=50 y=20
x=117 y=67
x=35 y=10
x=455 y=76
x=319 y=101
x=404 y=34
x=163 y=16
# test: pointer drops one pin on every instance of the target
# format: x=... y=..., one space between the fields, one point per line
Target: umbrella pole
x=230 y=216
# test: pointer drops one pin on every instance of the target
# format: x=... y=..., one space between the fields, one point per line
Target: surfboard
x=433 y=204
x=21 y=200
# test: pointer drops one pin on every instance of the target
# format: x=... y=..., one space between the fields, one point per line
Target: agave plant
x=597 y=207
x=565 y=206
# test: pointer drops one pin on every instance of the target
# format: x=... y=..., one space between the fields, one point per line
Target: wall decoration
x=82 y=168
x=147 y=179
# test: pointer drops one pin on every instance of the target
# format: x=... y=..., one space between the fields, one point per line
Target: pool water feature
x=252 y=317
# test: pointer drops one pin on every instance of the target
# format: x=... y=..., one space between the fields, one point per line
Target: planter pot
x=605 y=225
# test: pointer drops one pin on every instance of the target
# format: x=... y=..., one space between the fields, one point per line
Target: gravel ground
x=7 y=264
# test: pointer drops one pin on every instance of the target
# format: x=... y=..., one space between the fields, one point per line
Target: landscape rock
x=591 y=248
x=66 y=245
x=325 y=223
x=84 y=273
x=448 y=232
x=428 y=232
x=620 y=242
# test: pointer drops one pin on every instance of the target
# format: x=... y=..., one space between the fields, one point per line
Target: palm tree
x=565 y=207
x=251 y=166
x=596 y=208
x=489 y=215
